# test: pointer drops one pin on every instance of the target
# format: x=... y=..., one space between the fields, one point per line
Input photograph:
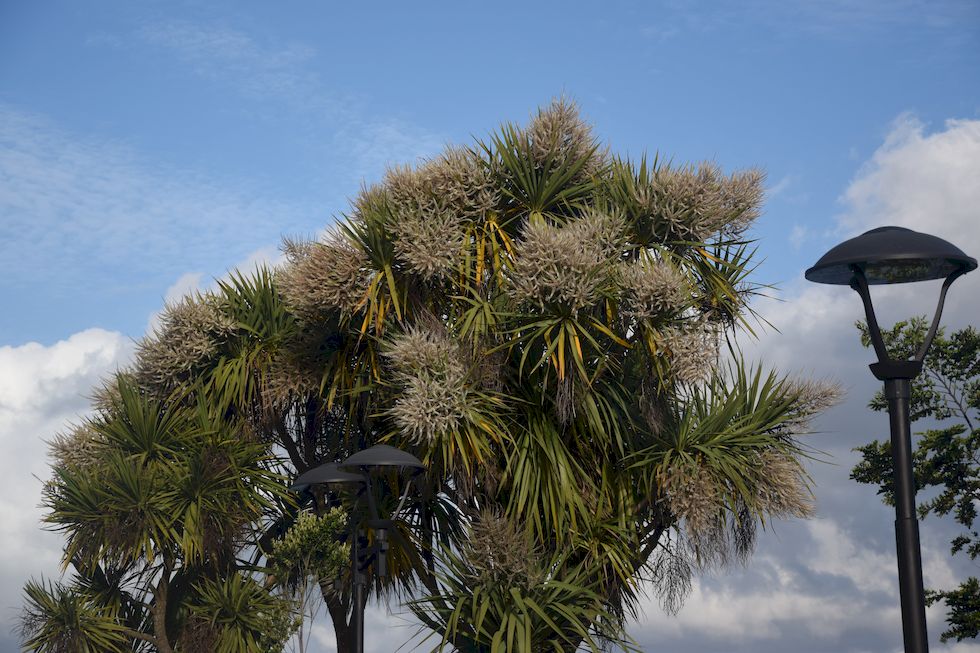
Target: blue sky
x=223 y=125
x=147 y=147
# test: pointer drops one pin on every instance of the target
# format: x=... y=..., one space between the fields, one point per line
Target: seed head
x=500 y=555
x=741 y=201
x=697 y=202
x=429 y=205
x=693 y=351
x=653 y=288
x=320 y=278
x=693 y=495
x=812 y=397
x=782 y=487
x=79 y=447
x=434 y=398
x=567 y=264
x=559 y=133
x=188 y=337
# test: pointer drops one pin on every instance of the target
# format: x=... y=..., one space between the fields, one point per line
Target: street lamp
x=883 y=256
x=365 y=464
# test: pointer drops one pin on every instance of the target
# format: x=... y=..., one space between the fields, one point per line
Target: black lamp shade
x=325 y=474
x=383 y=455
x=891 y=255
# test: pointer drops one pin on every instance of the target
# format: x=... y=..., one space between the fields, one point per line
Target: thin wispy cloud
x=375 y=145
x=835 y=20
x=79 y=212
x=780 y=186
x=798 y=236
x=276 y=72
x=283 y=75
x=845 y=18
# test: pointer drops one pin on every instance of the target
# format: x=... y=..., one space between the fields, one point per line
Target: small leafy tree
x=945 y=458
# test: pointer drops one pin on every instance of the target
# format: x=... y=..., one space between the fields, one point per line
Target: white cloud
x=42 y=390
x=766 y=602
x=780 y=186
x=840 y=555
x=926 y=182
x=921 y=181
x=35 y=379
x=386 y=628
x=269 y=257
x=187 y=284
x=833 y=589
x=798 y=236
x=190 y=283
x=804 y=318
x=376 y=145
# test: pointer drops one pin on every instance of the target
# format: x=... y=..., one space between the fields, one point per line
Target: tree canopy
x=545 y=325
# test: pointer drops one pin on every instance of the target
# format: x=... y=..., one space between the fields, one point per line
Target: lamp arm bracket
x=401 y=502
x=372 y=505
x=887 y=367
x=859 y=283
x=930 y=336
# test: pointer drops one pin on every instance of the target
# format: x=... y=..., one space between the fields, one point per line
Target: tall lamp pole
x=357 y=471
x=884 y=256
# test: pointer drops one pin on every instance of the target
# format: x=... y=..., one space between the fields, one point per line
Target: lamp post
x=884 y=256
x=357 y=470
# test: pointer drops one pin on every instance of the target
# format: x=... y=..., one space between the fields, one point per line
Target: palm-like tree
x=541 y=323
x=157 y=502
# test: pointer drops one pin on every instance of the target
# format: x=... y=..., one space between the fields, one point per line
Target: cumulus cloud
x=916 y=179
x=812 y=588
x=42 y=390
x=927 y=182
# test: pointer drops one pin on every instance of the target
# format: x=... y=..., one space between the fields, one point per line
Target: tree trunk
x=343 y=626
x=159 y=611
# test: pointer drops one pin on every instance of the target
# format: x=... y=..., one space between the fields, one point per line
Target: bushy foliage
x=310 y=548
x=500 y=593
